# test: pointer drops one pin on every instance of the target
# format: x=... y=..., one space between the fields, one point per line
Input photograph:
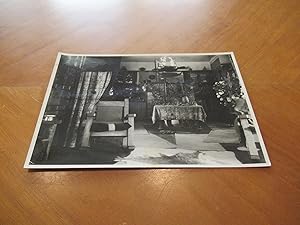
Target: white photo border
x=27 y=164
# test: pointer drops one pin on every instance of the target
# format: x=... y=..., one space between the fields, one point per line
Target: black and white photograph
x=146 y=111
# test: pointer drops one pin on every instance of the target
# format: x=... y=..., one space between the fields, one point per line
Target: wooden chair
x=111 y=112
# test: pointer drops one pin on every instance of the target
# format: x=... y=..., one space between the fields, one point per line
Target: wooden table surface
x=264 y=36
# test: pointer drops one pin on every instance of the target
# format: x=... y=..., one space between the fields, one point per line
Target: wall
x=222 y=58
x=135 y=66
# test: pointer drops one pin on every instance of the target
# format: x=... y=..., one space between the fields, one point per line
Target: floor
x=211 y=145
x=152 y=147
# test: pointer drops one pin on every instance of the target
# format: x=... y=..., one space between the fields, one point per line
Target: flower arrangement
x=228 y=92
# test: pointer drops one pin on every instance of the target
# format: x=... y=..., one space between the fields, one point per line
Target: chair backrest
x=112 y=111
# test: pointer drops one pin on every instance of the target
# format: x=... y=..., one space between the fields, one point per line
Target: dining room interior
x=147 y=110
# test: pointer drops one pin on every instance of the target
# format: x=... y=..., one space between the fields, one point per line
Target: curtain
x=91 y=87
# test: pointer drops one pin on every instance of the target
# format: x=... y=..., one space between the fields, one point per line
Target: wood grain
x=265 y=38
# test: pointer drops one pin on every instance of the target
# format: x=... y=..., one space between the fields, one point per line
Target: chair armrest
x=129 y=116
x=130 y=119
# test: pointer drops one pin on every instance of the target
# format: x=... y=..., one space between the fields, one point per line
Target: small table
x=46 y=136
x=178 y=112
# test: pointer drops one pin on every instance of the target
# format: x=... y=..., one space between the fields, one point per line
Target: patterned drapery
x=91 y=87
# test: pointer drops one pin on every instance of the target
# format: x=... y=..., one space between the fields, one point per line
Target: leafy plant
x=228 y=91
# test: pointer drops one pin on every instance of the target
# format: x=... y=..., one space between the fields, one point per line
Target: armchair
x=110 y=113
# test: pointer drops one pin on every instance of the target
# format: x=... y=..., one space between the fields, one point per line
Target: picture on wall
x=146 y=111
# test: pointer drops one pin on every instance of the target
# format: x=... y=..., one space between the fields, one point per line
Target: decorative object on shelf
x=166 y=63
x=167 y=67
x=152 y=77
